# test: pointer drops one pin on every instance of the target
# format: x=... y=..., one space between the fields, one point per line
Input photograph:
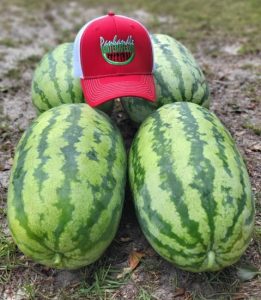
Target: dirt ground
x=235 y=82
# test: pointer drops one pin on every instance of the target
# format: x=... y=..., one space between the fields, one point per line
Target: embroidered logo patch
x=117 y=51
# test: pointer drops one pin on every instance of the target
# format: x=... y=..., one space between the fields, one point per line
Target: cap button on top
x=111 y=13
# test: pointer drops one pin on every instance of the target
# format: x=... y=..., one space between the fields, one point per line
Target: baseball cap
x=113 y=56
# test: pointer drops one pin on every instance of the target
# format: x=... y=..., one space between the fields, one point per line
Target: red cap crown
x=113 y=55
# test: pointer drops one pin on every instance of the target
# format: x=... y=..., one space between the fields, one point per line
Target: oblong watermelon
x=177 y=76
x=191 y=188
x=54 y=83
x=66 y=188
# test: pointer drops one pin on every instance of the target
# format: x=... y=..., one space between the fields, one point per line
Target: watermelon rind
x=54 y=83
x=67 y=184
x=191 y=188
x=177 y=76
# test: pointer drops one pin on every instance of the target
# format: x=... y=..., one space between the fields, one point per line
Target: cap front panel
x=142 y=62
x=115 y=45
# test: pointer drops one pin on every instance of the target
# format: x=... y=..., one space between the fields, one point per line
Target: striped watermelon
x=66 y=188
x=54 y=83
x=191 y=188
x=177 y=76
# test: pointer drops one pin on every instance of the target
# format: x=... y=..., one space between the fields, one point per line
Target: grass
x=193 y=20
x=255 y=128
x=9 y=42
x=14 y=74
x=30 y=290
x=144 y=295
x=257 y=238
x=104 y=283
x=23 y=64
x=8 y=258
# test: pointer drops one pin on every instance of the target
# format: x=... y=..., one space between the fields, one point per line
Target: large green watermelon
x=54 y=83
x=191 y=188
x=177 y=76
x=66 y=188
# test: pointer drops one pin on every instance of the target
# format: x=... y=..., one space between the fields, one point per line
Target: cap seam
x=116 y=75
x=114 y=22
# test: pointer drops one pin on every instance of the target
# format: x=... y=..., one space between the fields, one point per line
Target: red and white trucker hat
x=113 y=56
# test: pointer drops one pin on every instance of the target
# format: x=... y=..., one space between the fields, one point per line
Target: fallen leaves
x=134 y=259
x=133 y=262
x=256 y=147
x=179 y=292
x=247 y=273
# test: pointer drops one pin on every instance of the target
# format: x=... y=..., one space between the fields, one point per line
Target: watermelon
x=54 y=83
x=191 y=189
x=66 y=189
x=177 y=77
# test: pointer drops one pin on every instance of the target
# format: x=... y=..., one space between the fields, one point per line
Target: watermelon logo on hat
x=113 y=57
x=117 y=52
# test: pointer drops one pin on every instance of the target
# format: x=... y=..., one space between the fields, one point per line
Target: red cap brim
x=99 y=90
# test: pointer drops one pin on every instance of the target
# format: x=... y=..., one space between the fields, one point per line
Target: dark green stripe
x=241 y=201
x=188 y=59
x=40 y=174
x=97 y=136
x=52 y=63
x=224 y=261
x=69 y=77
x=137 y=107
x=40 y=111
x=219 y=139
x=157 y=221
x=206 y=94
x=176 y=68
x=42 y=95
x=166 y=229
x=165 y=92
x=251 y=217
x=30 y=250
x=18 y=181
x=92 y=154
x=162 y=147
x=71 y=134
x=103 y=195
x=198 y=76
x=136 y=167
x=204 y=173
x=227 y=198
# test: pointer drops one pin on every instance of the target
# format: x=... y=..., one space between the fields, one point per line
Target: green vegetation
x=187 y=20
x=8 y=257
x=144 y=295
x=104 y=284
x=255 y=128
x=22 y=66
x=9 y=42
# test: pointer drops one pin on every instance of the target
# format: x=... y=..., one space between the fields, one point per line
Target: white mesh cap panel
x=77 y=66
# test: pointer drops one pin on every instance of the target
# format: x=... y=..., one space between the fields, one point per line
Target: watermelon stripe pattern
x=68 y=75
x=67 y=185
x=53 y=83
x=52 y=66
x=191 y=188
x=188 y=83
x=177 y=76
x=43 y=98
